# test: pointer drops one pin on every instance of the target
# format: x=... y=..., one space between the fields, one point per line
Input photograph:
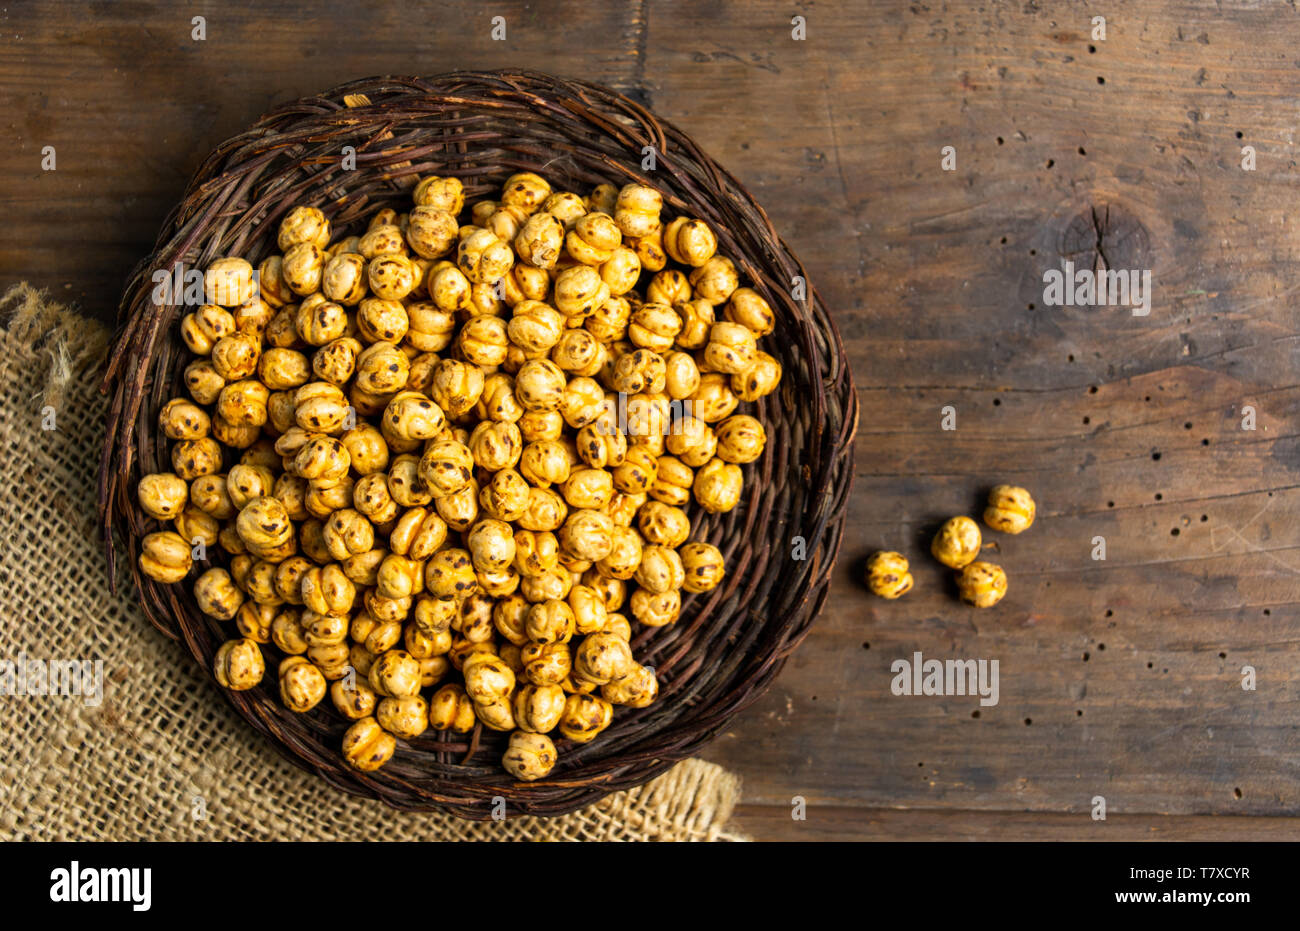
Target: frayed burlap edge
x=74 y=772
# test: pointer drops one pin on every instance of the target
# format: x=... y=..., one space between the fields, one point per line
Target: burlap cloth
x=163 y=756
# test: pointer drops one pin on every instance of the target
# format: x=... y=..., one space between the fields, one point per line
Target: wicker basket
x=481 y=127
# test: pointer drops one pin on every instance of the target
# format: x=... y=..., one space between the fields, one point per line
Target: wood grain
x=1119 y=678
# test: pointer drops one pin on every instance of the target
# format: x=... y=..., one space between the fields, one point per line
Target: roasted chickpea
x=731 y=348
x=660 y=570
x=444 y=193
x=540 y=240
x=287 y=632
x=587 y=534
x=303 y=224
x=405 y=717
x=759 y=379
x=203 y=381
x=538 y=708
x=491 y=545
x=344 y=280
x=412 y=416
x=637 y=689
x=217 y=595
x=637 y=210
x=165 y=557
x=446 y=467
x=483 y=257
x=690 y=241
x=163 y=495
x=957 y=543
x=718 y=485
x=579 y=290
x=550 y=621
x=713 y=400
x=450 y=574
x=692 y=441
x=584 y=717
x=301 y=684
x=588 y=488
x=529 y=757
x=229 y=282
x=483 y=340
x=982 y=584
x=526 y=191
x=371 y=497
x=367 y=746
x=396 y=674
x=321 y=322
x=603 y=657
x=451 y=709
x=457 y=386
x=741 y=438
x=431 y=231
x=588 y=607
x=702 y=563
x=201 y=329
x=637 y=472
x=654 y=326
x=506 y=497
x=236 y=357
x=382 y=368
x=888 y=575
x=715 y=280
x=546 y=663
x=208 y=493
x=1010 y=509
x=239 y=665
x=353 y=697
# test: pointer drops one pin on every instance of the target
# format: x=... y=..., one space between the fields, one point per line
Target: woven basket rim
x=479 y=125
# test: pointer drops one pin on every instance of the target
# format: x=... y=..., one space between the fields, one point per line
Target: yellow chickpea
x=529 y=756
x=367 y=746
x=353 y=698
x=957 y=543
x=759 y=379
x=982 y=584
x=302 y=686
x=165 y=557
x=593 y=239
x=431 y=231
x=457 y=386
x=163 y=495
x=741 y=439
x=637 y=689
x=718 y=485
x=451 y=709
x=1010 y=509
x=201 y=329
x=637 y=210
x=579 y=290
x=405 y=717
x=690 y=241
x=229 y=282
x=584 y=717
x=715 y=280
x=239 y=665
x=888 y=575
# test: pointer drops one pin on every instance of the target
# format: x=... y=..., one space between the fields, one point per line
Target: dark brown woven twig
x=481 y=127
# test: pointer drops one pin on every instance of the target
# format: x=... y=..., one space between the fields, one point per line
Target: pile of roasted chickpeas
x=447 y=458
x=957 y=545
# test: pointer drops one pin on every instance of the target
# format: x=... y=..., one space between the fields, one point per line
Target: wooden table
x=1119 y=678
